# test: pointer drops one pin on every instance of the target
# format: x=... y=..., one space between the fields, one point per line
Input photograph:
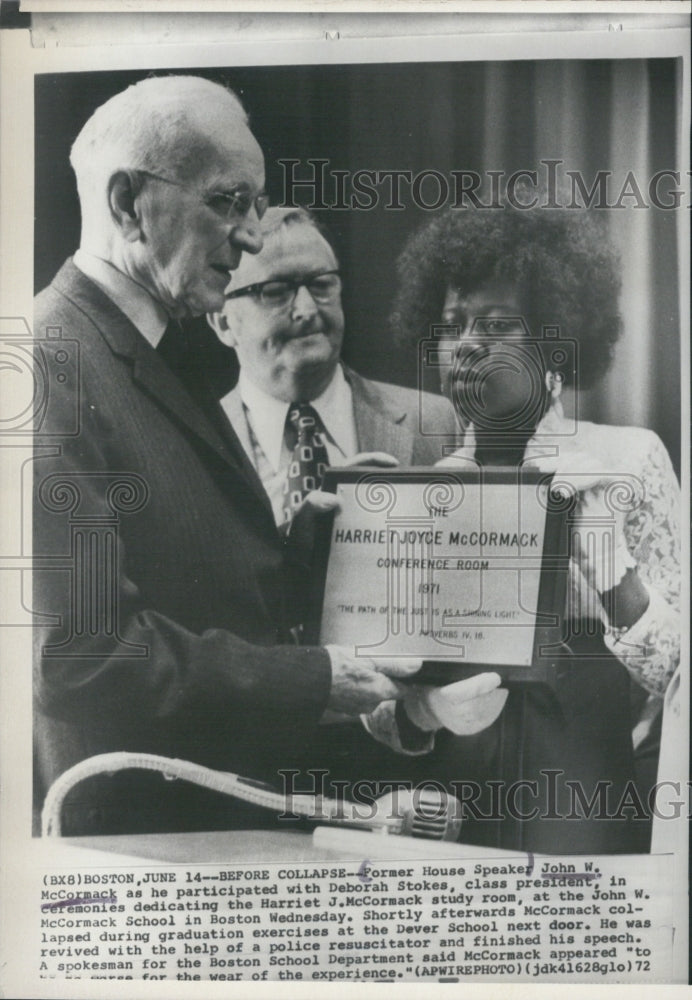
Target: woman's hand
x=465 y=707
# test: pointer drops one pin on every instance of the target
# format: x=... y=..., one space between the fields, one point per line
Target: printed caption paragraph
x=550 y=918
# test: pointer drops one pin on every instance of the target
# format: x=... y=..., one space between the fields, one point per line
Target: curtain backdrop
x=615 y=116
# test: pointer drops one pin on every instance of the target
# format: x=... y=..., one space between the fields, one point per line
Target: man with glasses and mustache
x=283 y=315
x=161 y=580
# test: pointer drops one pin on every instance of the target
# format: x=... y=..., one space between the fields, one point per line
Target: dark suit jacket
x=409 y=425
x=161 y=582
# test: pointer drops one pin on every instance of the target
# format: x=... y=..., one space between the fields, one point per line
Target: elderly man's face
x=189 y=247
x=293 y=345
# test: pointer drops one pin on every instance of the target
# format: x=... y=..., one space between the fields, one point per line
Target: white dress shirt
x=266 y=425
x=141 y=309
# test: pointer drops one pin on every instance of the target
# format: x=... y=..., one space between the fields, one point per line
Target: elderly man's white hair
x=156 y=125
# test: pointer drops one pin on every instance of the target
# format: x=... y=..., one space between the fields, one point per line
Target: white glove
x=465 y=707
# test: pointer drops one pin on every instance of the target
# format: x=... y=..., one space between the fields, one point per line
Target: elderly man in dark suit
x=160 y=575
x=283 y=316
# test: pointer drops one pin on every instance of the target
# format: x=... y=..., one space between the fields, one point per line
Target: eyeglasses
x=324 y=288
x=230 y=205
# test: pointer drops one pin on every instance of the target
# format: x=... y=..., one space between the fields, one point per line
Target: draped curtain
x=617 y=117
x=617 y=128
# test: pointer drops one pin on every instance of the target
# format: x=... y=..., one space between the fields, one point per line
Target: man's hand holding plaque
x=360 y=683
x=318 y=503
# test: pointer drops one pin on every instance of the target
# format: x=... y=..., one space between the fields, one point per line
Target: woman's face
x=491 y=369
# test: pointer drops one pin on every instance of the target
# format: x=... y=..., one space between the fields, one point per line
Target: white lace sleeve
x=650 y=649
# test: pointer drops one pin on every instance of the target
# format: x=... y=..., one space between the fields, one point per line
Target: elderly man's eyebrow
x=221 y=185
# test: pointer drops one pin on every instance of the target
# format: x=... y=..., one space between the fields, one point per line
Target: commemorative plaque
x=464 y=568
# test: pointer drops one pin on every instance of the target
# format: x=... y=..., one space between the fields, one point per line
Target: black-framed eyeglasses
x=230 y=205
x=324 y=288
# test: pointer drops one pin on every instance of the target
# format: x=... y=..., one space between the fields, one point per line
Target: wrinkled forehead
x=291 y=251
x=221 y=151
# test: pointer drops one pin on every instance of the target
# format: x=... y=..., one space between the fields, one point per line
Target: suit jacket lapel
x=153 y=374
x=233 y=407
x=205 y=418
x=379 y=428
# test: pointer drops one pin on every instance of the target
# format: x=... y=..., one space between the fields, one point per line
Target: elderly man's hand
x=360 y=683
x=465 y=707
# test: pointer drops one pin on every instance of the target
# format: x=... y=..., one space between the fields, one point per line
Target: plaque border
x=550 y=654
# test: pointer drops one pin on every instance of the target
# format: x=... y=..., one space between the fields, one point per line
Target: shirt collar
x=268 y=415
x=141 y=309
x=333 y=405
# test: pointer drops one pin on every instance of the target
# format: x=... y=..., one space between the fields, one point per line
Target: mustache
x=307 y=330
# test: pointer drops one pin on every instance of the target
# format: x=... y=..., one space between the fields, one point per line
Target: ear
x=553 y=383
x=123 y=192
x=219 y=323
